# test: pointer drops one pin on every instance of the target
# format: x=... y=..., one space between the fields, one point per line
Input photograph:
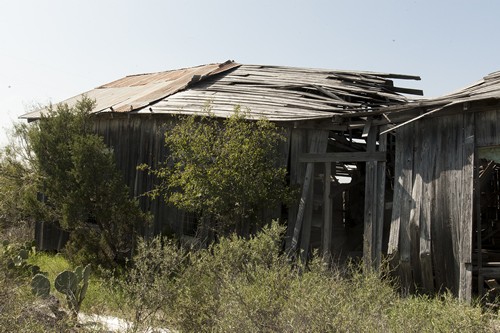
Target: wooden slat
x=465 y=286
x=425 y=198
x=343 y=157
x=370 y=203
x=327 y=212
x=380 y=202
x=399 y=239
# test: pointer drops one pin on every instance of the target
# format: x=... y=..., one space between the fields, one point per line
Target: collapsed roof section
x=486 y=89
x=274 y=92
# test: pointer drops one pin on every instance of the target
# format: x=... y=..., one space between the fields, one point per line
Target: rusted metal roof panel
x=138 y=91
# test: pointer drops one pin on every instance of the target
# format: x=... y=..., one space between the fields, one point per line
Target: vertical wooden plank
x=479 y=236
x=445 y=198
x=370 y=202
x=488 y=135
x=465 y=286
x=415 y=208
x=380 y=202
x=399 y=239
x=424 y=193
x=327 y=212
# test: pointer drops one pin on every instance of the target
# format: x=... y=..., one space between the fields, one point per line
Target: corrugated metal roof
x=275 y=92
x=138 y=91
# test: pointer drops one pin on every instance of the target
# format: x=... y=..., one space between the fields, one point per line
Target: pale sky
x=53 y=50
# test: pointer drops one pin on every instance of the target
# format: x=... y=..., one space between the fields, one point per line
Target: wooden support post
x=466 y=220
x=479 y=236
x=327 y=213
x=370 y=203
x=380 y=202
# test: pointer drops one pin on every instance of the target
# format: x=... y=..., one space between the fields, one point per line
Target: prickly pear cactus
x=85 y=280
x=66 y=282
x=74 y=285
x=40 y=285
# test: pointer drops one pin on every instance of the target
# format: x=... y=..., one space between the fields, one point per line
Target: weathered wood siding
x=139 y=139
x=432 y=202
x=136 y=140
x=488 y=128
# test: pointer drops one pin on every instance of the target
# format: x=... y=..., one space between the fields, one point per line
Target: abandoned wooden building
x=417 y=180
x=444 y=226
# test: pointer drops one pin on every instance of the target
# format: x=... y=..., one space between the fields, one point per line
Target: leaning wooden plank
x=319 y=140
x=418 y=117
x=305 y=236
x=465 y=286
x=297 y=173
x=393 y=243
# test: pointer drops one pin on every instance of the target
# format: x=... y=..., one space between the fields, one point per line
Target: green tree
x=17 y=185
x=224 y=171
x=83 y=189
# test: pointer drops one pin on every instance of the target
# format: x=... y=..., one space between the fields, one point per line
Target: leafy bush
x=224 y=171
x=149 y=285
x=83 y=190
x=17 y=187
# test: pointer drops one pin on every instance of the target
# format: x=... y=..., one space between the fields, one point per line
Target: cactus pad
x=40 y=285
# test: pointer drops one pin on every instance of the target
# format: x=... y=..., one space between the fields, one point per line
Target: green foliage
x=18 y=181
x=40 y=285
x=16 y=258
x=249 y=285
x=225 y=171
x=245 y=285
x=83 y=189
x=21 y=308
x=50 y=263
x=149 y=284
x=74 y=285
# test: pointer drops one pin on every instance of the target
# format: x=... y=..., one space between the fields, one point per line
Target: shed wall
x=432 y=201
x=135 y=141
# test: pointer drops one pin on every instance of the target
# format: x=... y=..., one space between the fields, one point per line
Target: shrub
x=149 y=285
x=224 y=171
x=83 y=190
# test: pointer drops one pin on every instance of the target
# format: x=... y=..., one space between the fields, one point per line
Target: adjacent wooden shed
x=445 y=223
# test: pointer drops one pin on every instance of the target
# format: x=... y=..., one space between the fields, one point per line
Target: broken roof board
x=486 y=88
x=275 y=92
